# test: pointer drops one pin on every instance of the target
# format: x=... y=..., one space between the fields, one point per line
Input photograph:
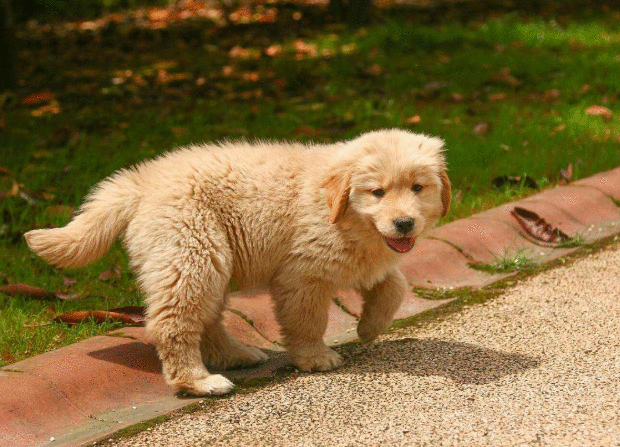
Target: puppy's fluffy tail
x=105 y=214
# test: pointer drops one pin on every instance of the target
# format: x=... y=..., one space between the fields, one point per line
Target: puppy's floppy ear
x=446 y=192
x=337 y=190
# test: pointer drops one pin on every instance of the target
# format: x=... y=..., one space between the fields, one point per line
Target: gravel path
x=539 y=365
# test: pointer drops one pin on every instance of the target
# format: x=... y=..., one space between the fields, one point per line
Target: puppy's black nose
x=404 y=224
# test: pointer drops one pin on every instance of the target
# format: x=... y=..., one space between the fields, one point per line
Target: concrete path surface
x=538 y=365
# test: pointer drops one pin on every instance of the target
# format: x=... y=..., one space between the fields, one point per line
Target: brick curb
x=88 y=390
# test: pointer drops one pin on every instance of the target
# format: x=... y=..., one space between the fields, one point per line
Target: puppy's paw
x=239 y=356
x=369 y=329
x=259 y=355
x=251 y=357
x=212 y=385
x=326 y=360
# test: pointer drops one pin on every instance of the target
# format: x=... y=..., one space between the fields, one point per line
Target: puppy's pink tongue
x=400 y=244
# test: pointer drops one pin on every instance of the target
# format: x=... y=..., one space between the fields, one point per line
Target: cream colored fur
x=301 y=221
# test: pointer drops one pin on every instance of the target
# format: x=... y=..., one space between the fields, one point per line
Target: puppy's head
x=392 y=180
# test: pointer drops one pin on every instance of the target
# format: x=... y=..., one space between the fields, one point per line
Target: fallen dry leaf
x=21 y=289
x=415 y=119
x=238 y=52
x=551 y=95
x=567 y=174
x=457 y=97
x=374 y=70
x=505 y=77
x=560 y=128
x=133 y=315
x=537 y=227
x=481 y=128
x=38 y=98
x=35 y=292
x=68 y=282
x=273 y=50
x=304 y=48
x=109 y=275
x=252 y=76
x=600 y=111
x=17 y=189
x=497 y=97
x=307 y=131
x=53 y=107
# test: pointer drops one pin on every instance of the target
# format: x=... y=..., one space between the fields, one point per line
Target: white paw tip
x=213 y=385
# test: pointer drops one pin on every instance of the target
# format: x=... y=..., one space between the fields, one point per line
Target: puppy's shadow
x=135 y=355
x=142 y=356
x=461 y=362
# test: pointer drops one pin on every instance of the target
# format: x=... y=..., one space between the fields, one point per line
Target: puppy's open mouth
x=400 y=244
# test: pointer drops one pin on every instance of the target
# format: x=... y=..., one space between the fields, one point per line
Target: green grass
x=577 y=240
x=529 y=78
x=515 y=263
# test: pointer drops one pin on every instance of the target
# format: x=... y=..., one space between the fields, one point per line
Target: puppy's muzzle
x=404 y=224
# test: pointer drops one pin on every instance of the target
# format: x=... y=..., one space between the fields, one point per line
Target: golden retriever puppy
x=301 y=221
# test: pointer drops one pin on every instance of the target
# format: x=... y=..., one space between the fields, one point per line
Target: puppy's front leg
x=301 y=308
x=380 y=304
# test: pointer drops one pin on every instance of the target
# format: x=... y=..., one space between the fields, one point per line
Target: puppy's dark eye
x=378 y=192
x=417 y=187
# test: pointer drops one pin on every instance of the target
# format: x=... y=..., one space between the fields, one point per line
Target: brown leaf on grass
x=600 y=111
x=457 y=97
x=273 y=50
x=374 y=70
x=574 y=44
x=35 y=292
x=566 y=174
x=497 y=97
x=109 y=275
x=415 y=119
x=251 y=76
x=133 y=315
x=165 y=78
x=307 y=131
x=559 y=128
x=238 y=52
x=303 y=48
x=65 y=296
x=551 y=95
x=38 y=98
x=481 y=128
x=17 y=189
x=68 y=282
x=21 y=289
x=53 y=107
x=504 y=77
x=537 y=227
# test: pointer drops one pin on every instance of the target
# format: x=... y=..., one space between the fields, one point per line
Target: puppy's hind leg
x=380 y=304
x=221 y=351
x=185 y=293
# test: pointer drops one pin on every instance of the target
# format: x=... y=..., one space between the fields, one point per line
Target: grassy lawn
x=509 y=92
